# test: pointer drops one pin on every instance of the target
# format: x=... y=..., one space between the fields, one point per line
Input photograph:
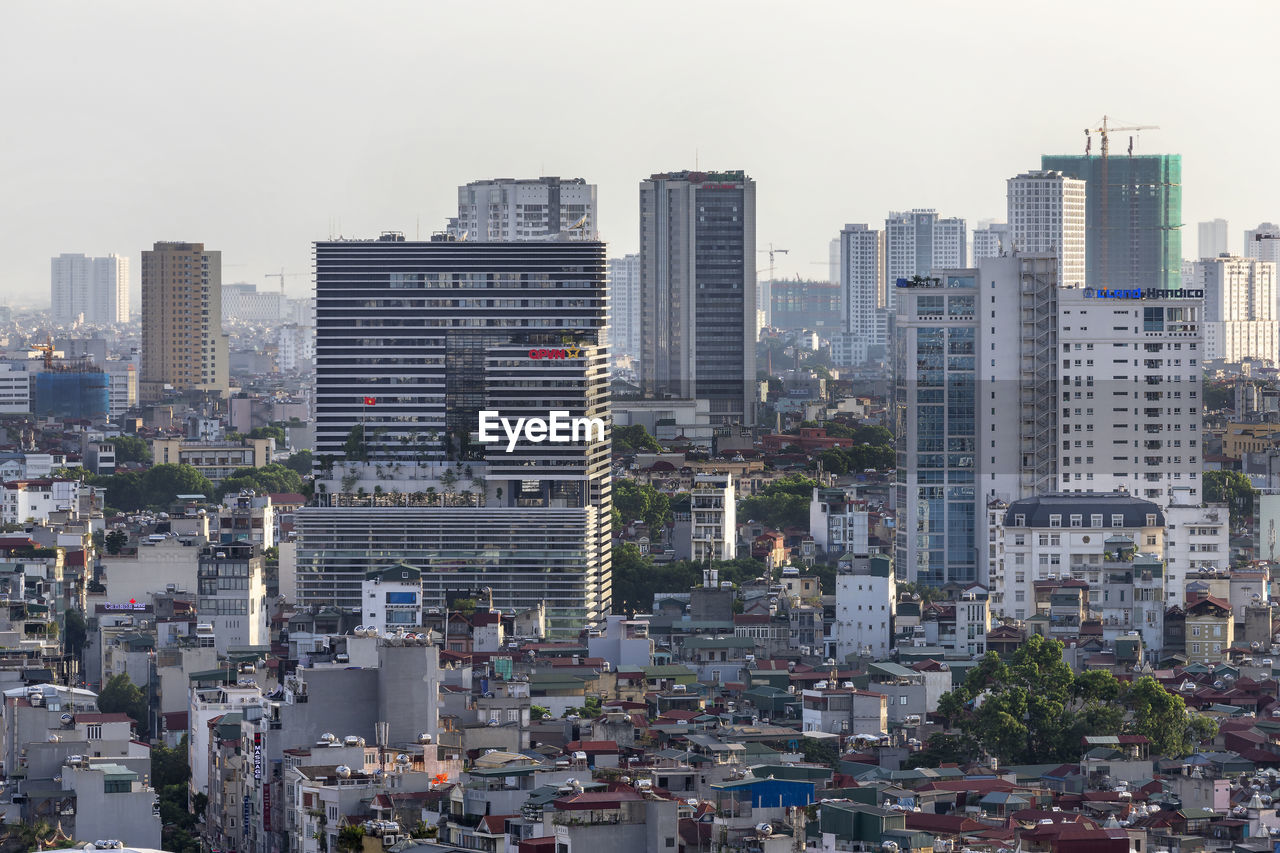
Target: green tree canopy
x=269 y=479
x=130 y=448
x=122 y=696
x=781 y=504
x=634 y=439
x=301 y=462
x=635 y=500
x=1231 y=488
x=272 y=431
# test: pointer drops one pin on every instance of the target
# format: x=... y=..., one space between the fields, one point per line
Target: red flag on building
x=371 y=401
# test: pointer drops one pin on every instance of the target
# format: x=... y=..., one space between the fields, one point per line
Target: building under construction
x=1133 y=219
x=71 y=389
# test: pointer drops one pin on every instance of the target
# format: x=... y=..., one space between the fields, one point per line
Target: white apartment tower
x=1131 y=388
x=93 y=289
x=991 y=240
x=1212 y=238
x=1263 y=242
x=1239 y=308
x=507 y=209
x=1046 y=214
x=714 y=523
x=624 y=307
x=917 y=242
x=862 y=293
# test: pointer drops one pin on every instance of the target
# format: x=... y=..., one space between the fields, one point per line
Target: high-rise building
x=93 y=289
x=243 y=302
x=505 y=209
x=918 y=242
x=698 y=290
x=862 y=287
x=1131 y=383
x=1263 y=242
x=991 y=240
x=414 y=341
x=1133 y=218
x=1239 y=308
x=624 y=307
x=975 y=404
x=183 y=346
x=1212 y=238
x=1047 y=214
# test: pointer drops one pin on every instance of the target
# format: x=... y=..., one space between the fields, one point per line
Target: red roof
x=104 y=718
x=495 y=824
x=596 y=800
x=174 y=721
x=593 y=747
x=286 y=498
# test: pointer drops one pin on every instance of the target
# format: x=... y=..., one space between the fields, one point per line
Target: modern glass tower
x=1133 y=217
x=413 y=341
x=698 y=290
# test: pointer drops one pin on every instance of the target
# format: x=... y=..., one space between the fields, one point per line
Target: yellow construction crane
x=47 y=349
x=1104 y=130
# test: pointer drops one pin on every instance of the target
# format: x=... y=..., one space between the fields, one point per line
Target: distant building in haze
x=1213 y=238
x=507 y=209
x=1263 y=242
x=1047 y=214
x=1239 y=308
x=95 y=289
x=624 y=306
x=918 y=242
x=990 y=240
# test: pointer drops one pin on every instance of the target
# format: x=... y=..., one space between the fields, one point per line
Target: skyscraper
x=698 y=290
x=414 y=341
x=865 y=322
x=183 y=346
x=975 y=407
x=1239 y=308
x=1213 y=238
x=1133 y=218
x=1263 y=242
x=526 y=209
x=918 y=242
x=624 y=306
x=1047 y=214
x=97 y=288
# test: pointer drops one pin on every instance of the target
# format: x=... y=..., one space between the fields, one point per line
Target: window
x=1055 y=520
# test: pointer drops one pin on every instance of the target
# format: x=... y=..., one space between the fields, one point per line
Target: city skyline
x=263 y=205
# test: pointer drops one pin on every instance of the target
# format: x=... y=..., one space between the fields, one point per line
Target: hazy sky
x=257 y=127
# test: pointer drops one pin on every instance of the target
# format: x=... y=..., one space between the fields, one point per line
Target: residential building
x=232 y=595
x=1197 y=539
x=916 y=243
x=1212 y=238
x=698 y=291
x=513 y=209
x=1210 y=629
x=713 y=523
x=863 y=292
x=216 y=459
x=89 y=290
x=392 y=598
x=624 y=307
x=122 y=387
x=1239 y=308
x=244 y=303
x=798 y=305
x=32 y=500
x=1263 y=242
x=15 y=387
x=838 y=521
x=183 y=345
x=416 y=477
x=1131 y=383
x=866 y=602
x=991 y=240
x=1047 y=215
x=1133 y=217
x=844 y=710
x=247 y=517
x=112 y=801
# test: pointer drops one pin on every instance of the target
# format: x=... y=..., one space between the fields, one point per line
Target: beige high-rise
x=182 y=341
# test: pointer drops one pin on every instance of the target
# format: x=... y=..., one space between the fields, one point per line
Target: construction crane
x=282 y=275
x=772 y=251
x=47 y=349
x=1104 y=131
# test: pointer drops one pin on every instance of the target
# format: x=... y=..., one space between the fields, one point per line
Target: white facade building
x=232 y=595
x=122 y=386
x=1131 y=385
x=1046 y=214
x=1239 y=308
x=918 y=242
x=714 y=526
x=862 y=293
x=1212 y=238
x=392 y=598
x=243 y=302
x=838 y=522
x=509 y=209
x=15 y=387
x=33 y=500
x=624 y=307
x=95 y=290
x=991 y=240
x=1263 y=242
x=1198 y=537
x=866 y=602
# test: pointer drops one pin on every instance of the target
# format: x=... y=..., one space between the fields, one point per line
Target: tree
x=269 y=479
x=74 y=633
x=634 y=439
x=1231 y=488
x=641 y=501
x=115 y=541
x=355 y=449
x=350 y=838
x=131 y=449
x=162 y=483
x=273 y=431
x=301 y=462
x=122 y=696
x=943 y=748
x=1164 y=719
